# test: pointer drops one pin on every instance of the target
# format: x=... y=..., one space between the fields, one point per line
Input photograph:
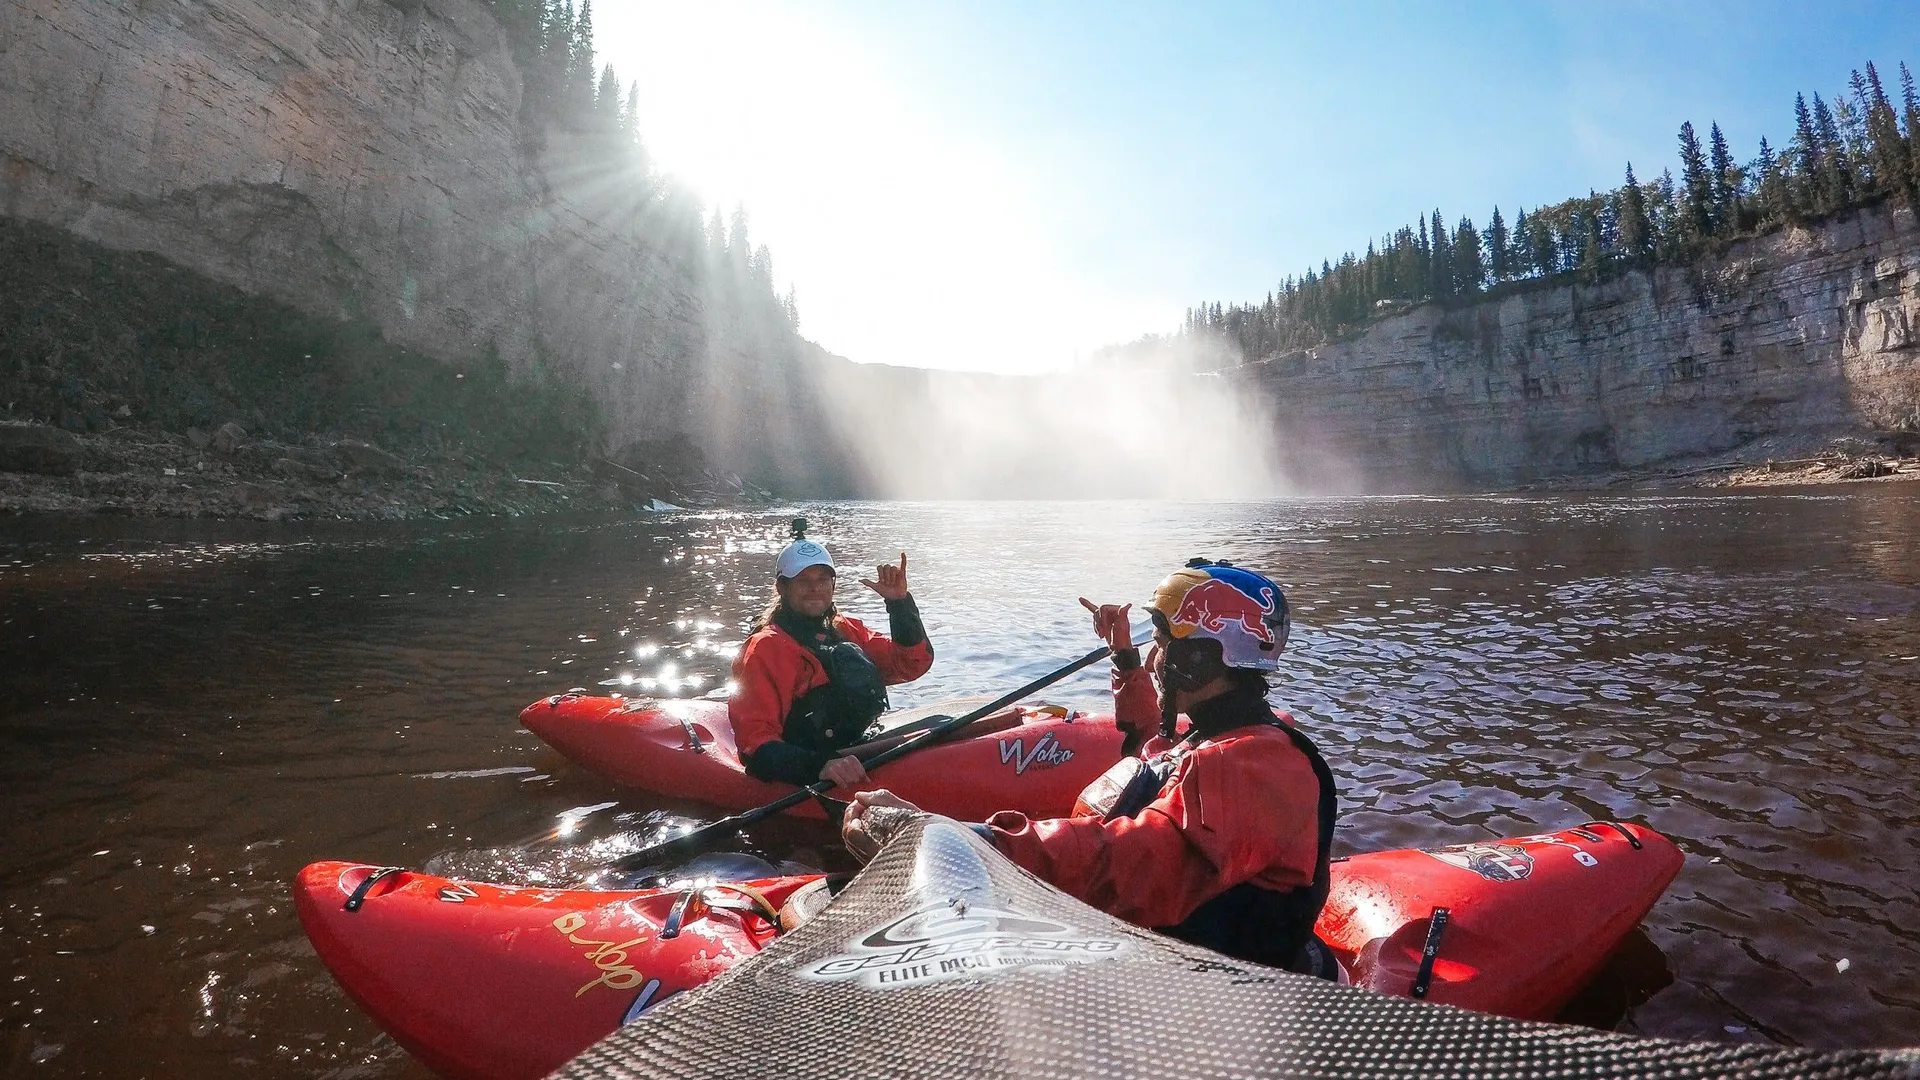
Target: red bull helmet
x=1243 y=611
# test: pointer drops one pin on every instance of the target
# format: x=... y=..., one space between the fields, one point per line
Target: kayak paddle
x=695 y=840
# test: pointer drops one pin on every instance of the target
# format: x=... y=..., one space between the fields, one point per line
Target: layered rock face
x=1803 y=334
x=364 y=159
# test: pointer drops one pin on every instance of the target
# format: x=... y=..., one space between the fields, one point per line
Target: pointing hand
x=1110 y=622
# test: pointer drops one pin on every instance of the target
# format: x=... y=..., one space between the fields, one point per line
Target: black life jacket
x=836 y=715
x=1247 y=922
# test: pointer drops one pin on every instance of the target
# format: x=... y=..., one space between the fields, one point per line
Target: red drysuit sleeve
x=1136 y=707
x=769 y=675
x=1241 y=808
x=897 y=663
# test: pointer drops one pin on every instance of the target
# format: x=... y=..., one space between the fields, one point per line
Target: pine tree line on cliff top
x=552 y=43
x=1857 y=150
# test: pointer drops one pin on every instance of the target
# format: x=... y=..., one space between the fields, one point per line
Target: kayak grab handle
x=693 y=737
x=359 y=894
x=1622 y=830
x=1436 y=925
x=671 y=928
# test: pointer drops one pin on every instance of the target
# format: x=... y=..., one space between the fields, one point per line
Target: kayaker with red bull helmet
x=1220 y=835
x=809 y=680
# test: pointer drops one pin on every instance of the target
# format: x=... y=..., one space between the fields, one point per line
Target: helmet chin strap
x=1184 y=673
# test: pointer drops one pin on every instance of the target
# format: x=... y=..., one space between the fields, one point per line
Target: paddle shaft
x=990 y=725
x=697 y=838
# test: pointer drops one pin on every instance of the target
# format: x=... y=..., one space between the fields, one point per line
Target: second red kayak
x=492 y=982
x=1035 y=759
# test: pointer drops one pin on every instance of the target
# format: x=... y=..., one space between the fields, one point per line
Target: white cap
x=801 y=554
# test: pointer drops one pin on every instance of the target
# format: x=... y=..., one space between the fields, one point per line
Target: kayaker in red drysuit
x=809 y=680
x=1221 y=838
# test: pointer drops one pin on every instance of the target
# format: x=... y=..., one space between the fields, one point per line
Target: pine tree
x=521 y=20
x=1809 y=159
x=717 y=236
x=1546 y=251
x=579 y=91
x=1668 y=211
x=547 y=60
x=1520 y=259
x=1497 y=241
x=1911 y=114
x=1837 y=174
x=1440 y=284
x=1775 y=201
x=606 y=103
x=1422 y=284
x=1593 y=241
x=1636 y=229
x=761 y=264
x=1725 y=183
x=1892 y=167
x=739 y=248
x=1697 y=188
x=1850 y=117
x=1573 y=235
x=1469 y=272
x=583 y=31
x=1369 y=280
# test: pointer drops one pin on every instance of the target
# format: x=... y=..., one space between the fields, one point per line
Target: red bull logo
x=1213 y=604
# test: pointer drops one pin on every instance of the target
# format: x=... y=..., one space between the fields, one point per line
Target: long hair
x=766 y=616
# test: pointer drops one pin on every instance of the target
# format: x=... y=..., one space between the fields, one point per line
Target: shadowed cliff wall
x=364 y=159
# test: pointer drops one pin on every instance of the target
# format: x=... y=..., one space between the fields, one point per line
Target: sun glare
x=909 y=240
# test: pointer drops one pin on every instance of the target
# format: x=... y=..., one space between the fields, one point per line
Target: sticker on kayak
x=1580 y=854
x=943 y=943
x=1495 y=862
x=1047 y=752
x=609 y=957
x=645 y=1001
x=456 y=893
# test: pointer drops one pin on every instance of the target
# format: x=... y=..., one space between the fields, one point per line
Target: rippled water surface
x=192 y=711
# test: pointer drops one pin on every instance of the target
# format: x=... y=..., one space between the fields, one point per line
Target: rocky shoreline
x=1771 y=462
x=228 y=473
x=1837 y=469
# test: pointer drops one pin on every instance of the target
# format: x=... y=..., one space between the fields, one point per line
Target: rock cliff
x=1794 y=337
x=365 y=160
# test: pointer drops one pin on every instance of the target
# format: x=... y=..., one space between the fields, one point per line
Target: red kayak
x=1528 y=921
x=1036 y=759
x=500 y=983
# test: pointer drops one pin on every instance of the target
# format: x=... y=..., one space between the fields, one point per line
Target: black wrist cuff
x=1126 y=659
x=903 y=622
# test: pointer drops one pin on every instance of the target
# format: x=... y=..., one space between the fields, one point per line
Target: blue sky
x=1007 y=186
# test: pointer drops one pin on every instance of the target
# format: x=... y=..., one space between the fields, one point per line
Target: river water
x=192 y=711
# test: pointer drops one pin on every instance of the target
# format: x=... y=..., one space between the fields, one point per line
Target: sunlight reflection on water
x=1740 y=672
